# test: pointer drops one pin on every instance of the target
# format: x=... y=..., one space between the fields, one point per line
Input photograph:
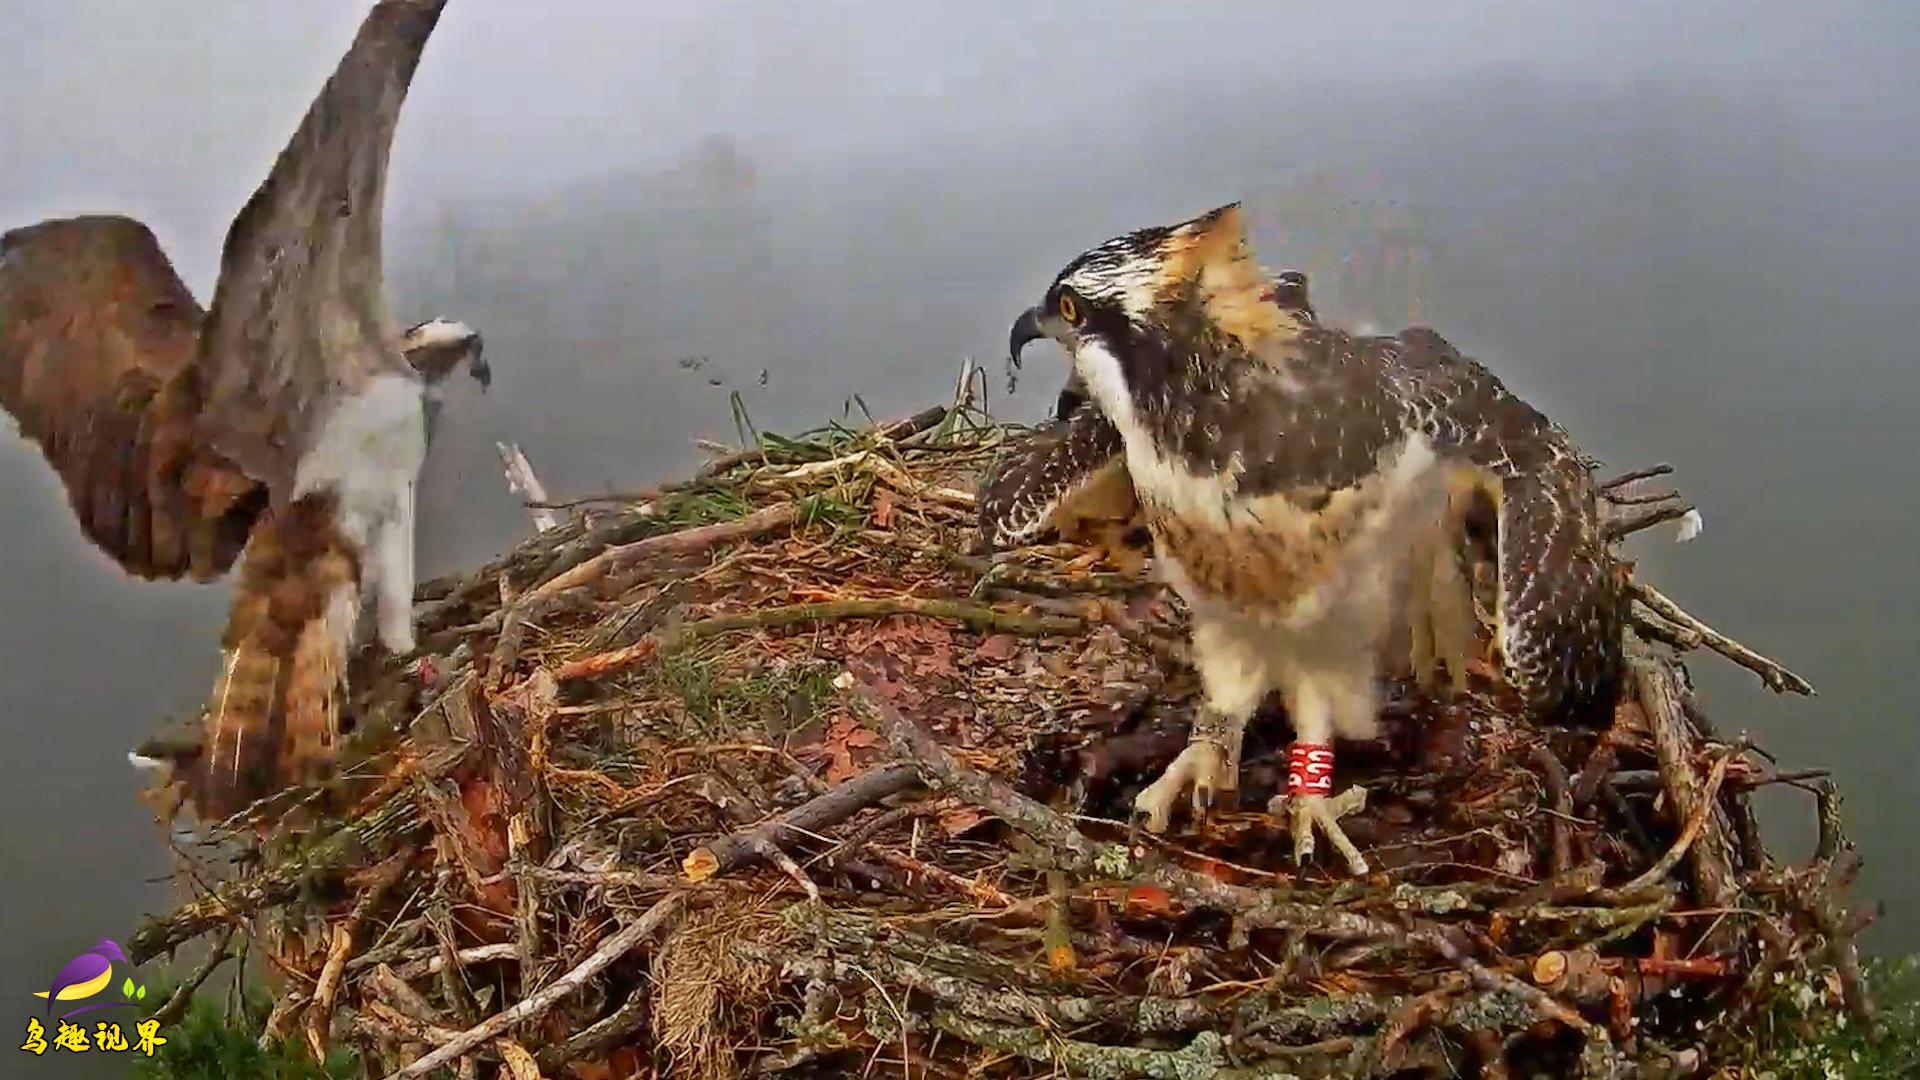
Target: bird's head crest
x=1171 y=281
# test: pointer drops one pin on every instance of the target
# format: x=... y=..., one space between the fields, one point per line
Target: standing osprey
x=1073 y=472
x=289 y=422
x=1290 y=474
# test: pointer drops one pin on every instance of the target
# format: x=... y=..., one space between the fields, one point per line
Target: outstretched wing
x=1562 y=598
x=1046 y=473
x=97 y=345
x=300 y=313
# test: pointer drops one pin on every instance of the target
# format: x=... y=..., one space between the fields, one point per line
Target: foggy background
x=1686 y=232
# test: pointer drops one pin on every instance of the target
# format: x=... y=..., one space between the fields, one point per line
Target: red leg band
x=1310 y=769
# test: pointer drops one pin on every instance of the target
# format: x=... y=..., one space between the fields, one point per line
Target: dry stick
x=686 y=541
x=535 y=603
x=1696 y=822
x=601 y=1034
x=327 y=987
x=478 y=954
x=176 y=1005
x=1554 y=775
x=1625 y=478
x=284 y=1010
x=388 y=986
x=1649 y=780
x=1776 y=677
x=1488 y=979
x=419 y=1030
x=522 y=482
x=621 y=879
x=243 y=899
x=1626 y=523
x=1822 y=903
x=771 y=852
x=613 y=948
x=1657 y=685
x=839 y=803
x=977 y=616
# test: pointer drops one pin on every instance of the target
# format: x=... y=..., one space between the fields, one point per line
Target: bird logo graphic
x=88 y=975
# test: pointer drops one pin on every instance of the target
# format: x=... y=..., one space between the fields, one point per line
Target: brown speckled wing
x=1562 y=598
x=1040 y=472
x=97 y=344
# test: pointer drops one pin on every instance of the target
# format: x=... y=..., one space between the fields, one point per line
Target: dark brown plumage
x=97 y=347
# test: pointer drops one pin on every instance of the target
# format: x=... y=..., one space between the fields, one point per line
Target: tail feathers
x=271 y=720
x=1562 y=602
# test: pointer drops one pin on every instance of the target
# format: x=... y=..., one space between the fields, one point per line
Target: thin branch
x=686 y=541
x=1776 y=677
x=1696 y=822
x=823 y=811
x=536 y=1006
x=1625 y=478
x=182 y=996
x=522 y=481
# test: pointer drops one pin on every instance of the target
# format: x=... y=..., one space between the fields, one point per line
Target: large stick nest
x=764 y=772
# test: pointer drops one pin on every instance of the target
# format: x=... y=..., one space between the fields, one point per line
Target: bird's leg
x=1210 y=766
x=1233 y=679
x=1320 y=704
x=393 y=577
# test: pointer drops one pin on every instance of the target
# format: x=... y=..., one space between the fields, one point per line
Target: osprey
x=1292 y=476
x=285 y=427
x=1073 y=472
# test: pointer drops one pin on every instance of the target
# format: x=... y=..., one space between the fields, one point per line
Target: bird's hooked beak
x=477 y=366
x=1032 y=325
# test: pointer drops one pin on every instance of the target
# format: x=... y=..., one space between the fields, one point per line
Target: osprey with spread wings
x=284 y=428
x=1291 y=477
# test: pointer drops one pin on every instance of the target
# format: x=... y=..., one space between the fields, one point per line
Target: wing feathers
x=1561 y=595
x=1043 y=473
x=301 y=310
x=97 y=339
x=1561 y=602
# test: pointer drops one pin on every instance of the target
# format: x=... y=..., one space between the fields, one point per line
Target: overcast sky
x=170 y=109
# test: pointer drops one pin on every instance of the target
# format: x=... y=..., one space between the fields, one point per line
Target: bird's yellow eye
x=1069 y=310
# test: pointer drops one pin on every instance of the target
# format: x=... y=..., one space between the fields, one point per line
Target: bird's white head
x=439 y=347
x=1133 y=308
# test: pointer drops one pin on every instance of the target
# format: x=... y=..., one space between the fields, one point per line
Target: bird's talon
x=1307 y=814
x=1202 y=766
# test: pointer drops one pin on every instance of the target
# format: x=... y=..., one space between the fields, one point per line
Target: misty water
x=1687 y=236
